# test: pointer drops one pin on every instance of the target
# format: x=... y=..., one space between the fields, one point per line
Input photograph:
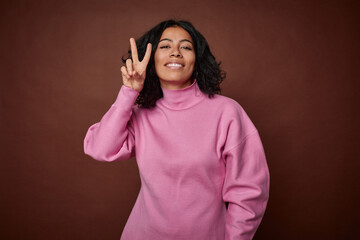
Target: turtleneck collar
x=181 y=98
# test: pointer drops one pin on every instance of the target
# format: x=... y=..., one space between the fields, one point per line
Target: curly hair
x=207 y=71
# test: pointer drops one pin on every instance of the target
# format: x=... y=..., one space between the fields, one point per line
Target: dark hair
x=206 y=71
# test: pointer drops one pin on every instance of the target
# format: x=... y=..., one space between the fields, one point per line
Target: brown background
x=293 y=66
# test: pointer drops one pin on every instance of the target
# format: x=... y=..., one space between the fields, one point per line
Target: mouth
x=173 y=65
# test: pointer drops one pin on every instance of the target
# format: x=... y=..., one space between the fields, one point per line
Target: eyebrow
x=168 y=39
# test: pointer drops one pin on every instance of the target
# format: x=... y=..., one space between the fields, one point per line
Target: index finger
x=147 y=54
x=134 y=53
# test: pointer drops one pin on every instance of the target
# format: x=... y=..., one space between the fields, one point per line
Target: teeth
x=174 y=65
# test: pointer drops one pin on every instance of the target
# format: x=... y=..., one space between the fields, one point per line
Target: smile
x=174 y=65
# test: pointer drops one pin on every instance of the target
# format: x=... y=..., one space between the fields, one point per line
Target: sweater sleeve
x=113 y=137
x=246 y=183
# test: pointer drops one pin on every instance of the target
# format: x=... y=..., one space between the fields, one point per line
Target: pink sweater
x=194 y=153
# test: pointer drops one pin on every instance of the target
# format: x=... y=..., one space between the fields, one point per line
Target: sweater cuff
x=126 y=97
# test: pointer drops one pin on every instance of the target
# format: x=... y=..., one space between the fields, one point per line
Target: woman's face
x=175 y=58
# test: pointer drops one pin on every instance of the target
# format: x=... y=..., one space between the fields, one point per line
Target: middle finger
x=134 y=53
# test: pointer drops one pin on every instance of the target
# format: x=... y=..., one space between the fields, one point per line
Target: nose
x=175 y=53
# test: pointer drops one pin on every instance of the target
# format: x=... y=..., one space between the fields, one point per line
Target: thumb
x=136 y=75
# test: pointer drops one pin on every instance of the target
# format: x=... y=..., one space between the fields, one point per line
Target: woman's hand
x=134 y=73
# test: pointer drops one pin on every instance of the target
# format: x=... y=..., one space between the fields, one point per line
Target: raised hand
x=134 y=73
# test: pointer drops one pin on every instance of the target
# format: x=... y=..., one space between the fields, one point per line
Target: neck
x=171 y=85
x=178 y=99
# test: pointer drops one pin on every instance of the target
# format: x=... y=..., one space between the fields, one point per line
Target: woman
x=196 y=150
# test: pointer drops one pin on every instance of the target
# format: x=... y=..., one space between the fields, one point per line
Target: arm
x=113 y=137
x=246 y=187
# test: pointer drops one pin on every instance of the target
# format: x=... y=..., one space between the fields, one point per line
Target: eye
x=187 y=48
x=164 y=47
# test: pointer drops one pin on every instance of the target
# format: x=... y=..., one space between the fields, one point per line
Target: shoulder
x=233 y=114
x=227 y=106
x=235 y=122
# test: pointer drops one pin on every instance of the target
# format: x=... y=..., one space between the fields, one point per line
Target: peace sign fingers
x=135 y=71
x=134 y=52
